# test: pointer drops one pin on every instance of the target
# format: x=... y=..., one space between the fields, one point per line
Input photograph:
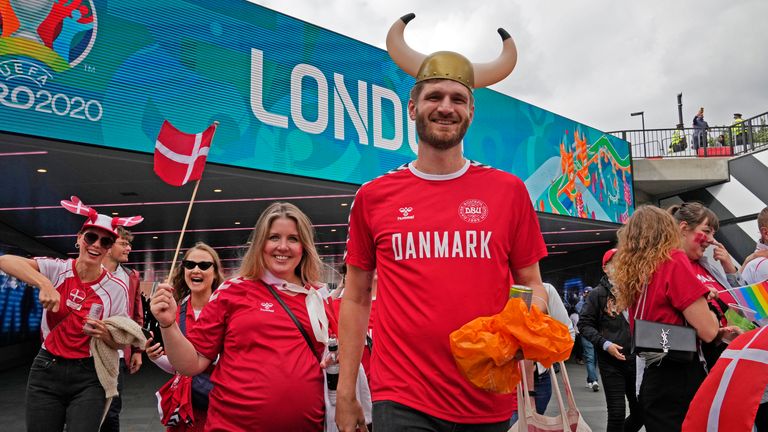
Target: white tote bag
x=569 y=418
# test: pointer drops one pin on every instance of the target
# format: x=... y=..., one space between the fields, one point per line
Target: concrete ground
x=140 y=406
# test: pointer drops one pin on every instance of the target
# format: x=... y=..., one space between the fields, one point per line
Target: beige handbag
x=569 y=419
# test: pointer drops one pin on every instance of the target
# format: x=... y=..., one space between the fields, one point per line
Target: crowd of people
x=252 y=352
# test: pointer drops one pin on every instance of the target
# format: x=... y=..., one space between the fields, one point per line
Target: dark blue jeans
x=543 y=387
x=63 y=391
x=391 y=416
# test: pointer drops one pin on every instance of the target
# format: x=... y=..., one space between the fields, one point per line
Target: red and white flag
x=180 y=157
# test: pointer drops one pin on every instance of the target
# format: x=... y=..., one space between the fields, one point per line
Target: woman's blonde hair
x=178 y=282
x=646 y=241
x=253 y=266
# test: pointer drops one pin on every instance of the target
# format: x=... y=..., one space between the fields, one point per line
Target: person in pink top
x=77 y=295
x=268 y=377
x=447 y=237
x=654 y=279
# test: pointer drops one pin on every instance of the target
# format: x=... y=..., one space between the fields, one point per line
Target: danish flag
x=180 y=157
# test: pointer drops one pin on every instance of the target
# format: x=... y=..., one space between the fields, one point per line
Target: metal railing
x=689 y=142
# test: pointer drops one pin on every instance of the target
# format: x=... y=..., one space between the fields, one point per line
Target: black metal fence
x=715 y=141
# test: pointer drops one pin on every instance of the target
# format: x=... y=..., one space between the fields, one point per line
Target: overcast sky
x=594 y=61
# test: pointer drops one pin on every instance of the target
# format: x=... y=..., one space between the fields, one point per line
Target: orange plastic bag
x=484 y=348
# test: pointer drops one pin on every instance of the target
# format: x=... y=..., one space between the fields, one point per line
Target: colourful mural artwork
x=589 y=174
x=291 y=98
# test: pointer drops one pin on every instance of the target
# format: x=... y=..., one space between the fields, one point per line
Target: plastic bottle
x=332 y=370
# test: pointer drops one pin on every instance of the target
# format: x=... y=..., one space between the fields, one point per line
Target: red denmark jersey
x=673 y=287
x=62 y=331
x=267 y=379
x=443 y=247
x=710 y=282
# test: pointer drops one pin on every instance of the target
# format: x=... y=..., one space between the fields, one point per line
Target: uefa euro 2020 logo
x=39 y=38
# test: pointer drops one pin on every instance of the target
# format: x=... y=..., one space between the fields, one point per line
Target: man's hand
x=615 y=350
x=135 y=362
x=349 y=415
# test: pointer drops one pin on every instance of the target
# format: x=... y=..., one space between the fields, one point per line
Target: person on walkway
x=77 y=296
x=268 y=327
x=444 y=246
x=697 y=226
x=654 y=279
x=130 y=357
x=587 y=347
x=193 y=283
x=699 y=130
x=607 y=328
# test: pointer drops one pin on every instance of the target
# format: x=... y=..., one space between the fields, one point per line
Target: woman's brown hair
x=694 y=214
x=308 y=270
x=646 y=241
x=178 y=282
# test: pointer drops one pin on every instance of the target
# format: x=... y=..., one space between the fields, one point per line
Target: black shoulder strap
x=183 y=318
x=293 y=317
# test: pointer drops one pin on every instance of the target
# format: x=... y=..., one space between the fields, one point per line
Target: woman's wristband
x=162 y=326
x=532 y=393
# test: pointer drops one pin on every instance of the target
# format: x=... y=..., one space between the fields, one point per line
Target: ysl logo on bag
x=664 y=340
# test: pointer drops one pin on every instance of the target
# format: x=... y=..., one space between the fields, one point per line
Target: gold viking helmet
x=447 y=64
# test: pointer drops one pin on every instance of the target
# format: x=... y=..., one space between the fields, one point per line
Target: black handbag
x=677 y=342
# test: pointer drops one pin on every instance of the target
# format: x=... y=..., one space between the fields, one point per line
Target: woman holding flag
x=268 y=326
x=192 y=283
x=698 y=226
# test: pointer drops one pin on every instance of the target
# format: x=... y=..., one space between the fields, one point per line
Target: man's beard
x=439 y=141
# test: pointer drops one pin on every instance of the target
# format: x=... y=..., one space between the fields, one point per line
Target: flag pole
x=186 y=218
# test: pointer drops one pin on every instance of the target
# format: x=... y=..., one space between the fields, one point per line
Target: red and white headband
x=96 y=220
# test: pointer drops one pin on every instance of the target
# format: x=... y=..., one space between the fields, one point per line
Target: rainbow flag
x=755 y=297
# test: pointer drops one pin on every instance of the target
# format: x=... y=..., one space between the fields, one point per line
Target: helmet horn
x=403 y=55
x=492 y=72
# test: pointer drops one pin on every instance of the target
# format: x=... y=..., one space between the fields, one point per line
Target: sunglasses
x=91 y=237
x=190 y=265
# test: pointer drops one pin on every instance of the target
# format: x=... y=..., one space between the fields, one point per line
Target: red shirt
x=62 y=331
x=267 y=379
x=443 y=247
x=366 y=359
x=708 y=280
x=673 y=287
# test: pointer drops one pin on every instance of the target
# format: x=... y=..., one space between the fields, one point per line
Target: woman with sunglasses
x=76 y=294
x=192 y=282
x=268 y=376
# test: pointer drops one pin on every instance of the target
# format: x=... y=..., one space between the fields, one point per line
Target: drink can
x=522 y=292
x=94 y=313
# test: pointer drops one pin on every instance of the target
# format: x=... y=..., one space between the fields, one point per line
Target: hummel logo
x=406 y=211
x=266 y=307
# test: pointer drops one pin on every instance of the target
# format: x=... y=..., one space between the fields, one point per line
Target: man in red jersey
x=444 y=234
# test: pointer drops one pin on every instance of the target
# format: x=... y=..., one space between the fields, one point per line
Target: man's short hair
x=762 y=218
x=124 y=234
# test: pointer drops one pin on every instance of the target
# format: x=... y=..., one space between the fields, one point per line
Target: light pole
x=642 y=117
